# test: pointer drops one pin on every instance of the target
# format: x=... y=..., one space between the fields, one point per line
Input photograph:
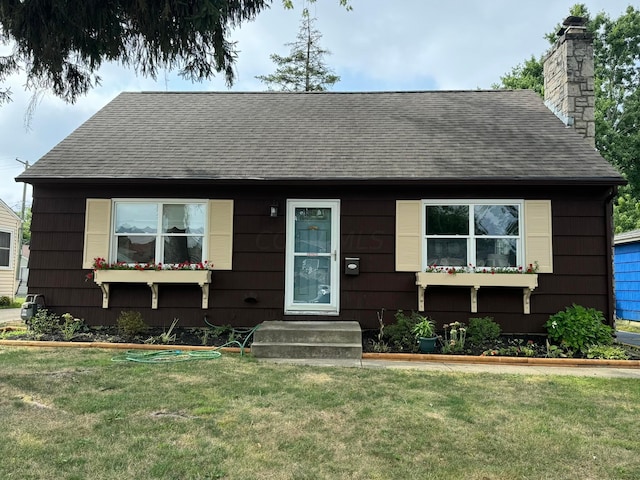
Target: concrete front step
x=308 y=339
x=306 y=350
x=309 y=332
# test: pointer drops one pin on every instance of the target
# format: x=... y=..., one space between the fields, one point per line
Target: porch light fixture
x=274 y=209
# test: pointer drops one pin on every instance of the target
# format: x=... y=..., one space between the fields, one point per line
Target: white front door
x=311 y=275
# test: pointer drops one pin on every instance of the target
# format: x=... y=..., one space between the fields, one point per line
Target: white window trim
x=471 y=254
x=11 y=249
x=159 y=245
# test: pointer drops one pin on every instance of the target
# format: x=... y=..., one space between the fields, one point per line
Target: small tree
x=303 y=70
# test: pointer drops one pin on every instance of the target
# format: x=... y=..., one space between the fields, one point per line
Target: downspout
x=611 y=299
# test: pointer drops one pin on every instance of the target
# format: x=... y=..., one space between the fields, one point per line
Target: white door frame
x=292 y=307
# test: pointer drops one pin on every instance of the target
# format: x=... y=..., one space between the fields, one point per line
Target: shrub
x=130 y=323
x=5 y=301
x=399 y=335
x=482 y=331
x=578 y=328
x=44 y=322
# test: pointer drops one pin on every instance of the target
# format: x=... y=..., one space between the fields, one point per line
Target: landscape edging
x=406 y=357
x=560 y=362
x=119 y=346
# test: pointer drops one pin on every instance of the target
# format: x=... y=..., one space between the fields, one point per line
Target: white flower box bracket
x=104 y=278
x=527 y=281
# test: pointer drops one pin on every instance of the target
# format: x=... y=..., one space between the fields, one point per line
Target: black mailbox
x=351 y=266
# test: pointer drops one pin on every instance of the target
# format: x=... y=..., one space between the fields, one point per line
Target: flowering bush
x=532 y=268
x=102 y=264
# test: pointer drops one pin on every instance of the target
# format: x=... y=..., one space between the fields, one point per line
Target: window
x=482 y=234
x=5 y=249
x=160 y=232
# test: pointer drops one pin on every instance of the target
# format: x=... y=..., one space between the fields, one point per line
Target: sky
x=377 y=46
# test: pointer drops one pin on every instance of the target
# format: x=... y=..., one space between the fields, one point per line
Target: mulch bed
x=110 y=334
x=533 y=346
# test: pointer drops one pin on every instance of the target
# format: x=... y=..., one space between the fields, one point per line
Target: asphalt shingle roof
x=474 y=135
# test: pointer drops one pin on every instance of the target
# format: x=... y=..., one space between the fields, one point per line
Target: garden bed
x=480 y=338
x=205 y=337
x=520 y=346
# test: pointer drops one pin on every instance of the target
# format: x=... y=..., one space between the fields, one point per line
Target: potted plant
x=425 y=332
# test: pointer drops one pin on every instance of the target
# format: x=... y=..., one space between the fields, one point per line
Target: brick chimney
x=569 y=77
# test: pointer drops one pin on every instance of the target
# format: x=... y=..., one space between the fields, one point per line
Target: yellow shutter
x=97 y=230
x=538 y=235
x=408 y=235
x=220 y=234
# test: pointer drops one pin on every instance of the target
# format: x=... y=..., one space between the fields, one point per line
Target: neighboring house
x=326 y=205
x=627 y=275
x=9 y=250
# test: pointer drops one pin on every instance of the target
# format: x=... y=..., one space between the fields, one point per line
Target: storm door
x=312 y=257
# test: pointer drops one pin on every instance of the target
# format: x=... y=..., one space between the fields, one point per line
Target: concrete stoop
x=308 y=339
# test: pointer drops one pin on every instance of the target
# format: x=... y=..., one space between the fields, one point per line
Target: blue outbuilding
x=627 y=275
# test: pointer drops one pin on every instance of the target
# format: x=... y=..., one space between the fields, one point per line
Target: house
x=332 y=205
x=10 y=231
x=627 y=275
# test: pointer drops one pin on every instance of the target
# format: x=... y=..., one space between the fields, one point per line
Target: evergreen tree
x=61 y=45
x=303 y=70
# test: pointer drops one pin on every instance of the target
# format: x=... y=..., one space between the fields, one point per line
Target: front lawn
x=75 y=413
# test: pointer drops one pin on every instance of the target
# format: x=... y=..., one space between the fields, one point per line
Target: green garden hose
x=170 y=356
x=166 y=356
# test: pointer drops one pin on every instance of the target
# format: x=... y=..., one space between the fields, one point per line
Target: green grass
x=628 y=326
x=17 y=303
x=75 y=414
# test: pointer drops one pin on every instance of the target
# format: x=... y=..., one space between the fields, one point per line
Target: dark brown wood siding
x=253 y=291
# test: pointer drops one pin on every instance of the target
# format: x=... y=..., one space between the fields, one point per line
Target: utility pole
x=21 y=235
x=24 y=188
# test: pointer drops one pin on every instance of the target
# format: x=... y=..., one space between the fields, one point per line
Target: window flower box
x=104 y=278
x=527 y=281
